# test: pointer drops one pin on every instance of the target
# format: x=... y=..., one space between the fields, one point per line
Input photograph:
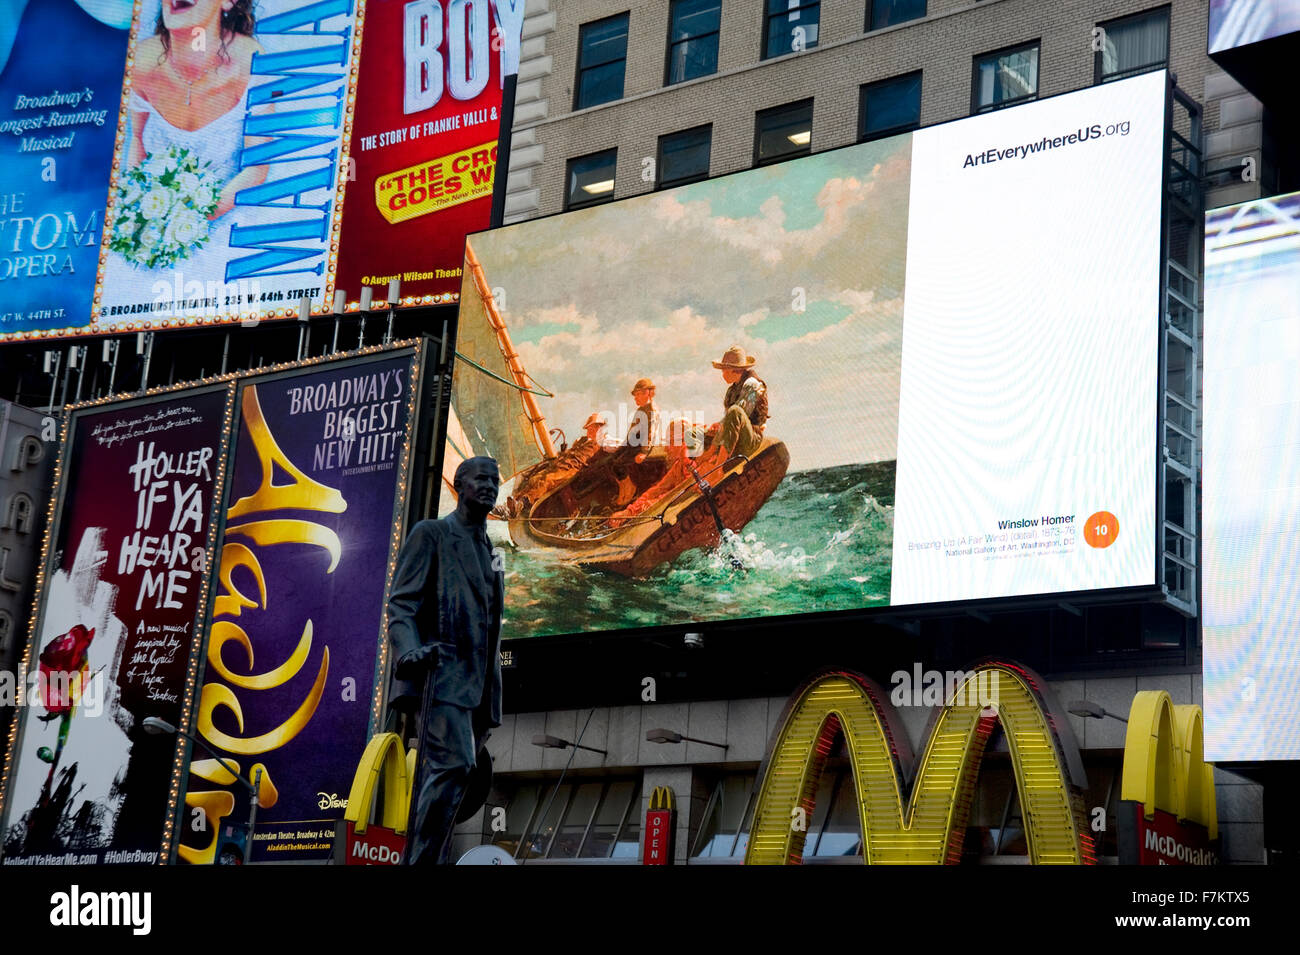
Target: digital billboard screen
x=916 y=370
x=1237 y=23
x=1251 y=469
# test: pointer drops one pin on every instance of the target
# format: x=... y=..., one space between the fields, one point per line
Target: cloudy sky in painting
x=660 y=285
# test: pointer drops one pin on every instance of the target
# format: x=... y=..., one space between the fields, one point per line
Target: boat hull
x=681 y=522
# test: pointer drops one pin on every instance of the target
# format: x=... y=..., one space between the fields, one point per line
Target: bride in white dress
x=190 y=89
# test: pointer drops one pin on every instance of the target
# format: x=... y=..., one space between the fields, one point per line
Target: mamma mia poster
x=116 y=638
x=228 y=187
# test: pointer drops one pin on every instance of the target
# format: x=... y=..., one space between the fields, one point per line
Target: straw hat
x=735 y=359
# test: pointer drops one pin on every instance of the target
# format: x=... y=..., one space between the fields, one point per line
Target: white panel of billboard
x=1027 y=412
x=1251 y=474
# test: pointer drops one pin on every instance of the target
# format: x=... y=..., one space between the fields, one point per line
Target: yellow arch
x=384 y=758
x=929 y=830
x=1164 y=761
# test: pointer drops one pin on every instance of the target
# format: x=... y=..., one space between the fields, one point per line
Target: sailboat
x=561 y=501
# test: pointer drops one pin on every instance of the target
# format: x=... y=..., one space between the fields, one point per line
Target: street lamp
x=1092 y=710
x=157 y=726
x=554 y=742
x=672 y=736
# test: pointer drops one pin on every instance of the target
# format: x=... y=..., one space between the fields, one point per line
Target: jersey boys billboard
x=424 y=146
x=117 y=631
x=915 y=370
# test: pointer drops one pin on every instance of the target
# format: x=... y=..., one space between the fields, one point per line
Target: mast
x=535 y=417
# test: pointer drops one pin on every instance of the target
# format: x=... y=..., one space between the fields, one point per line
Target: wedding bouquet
x=163 y=207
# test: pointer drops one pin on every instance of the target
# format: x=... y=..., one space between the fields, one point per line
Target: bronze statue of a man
x=444 y=624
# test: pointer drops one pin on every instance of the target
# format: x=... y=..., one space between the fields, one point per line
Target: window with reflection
x=590 y=179
x=602 y=61
x=890 y=106
x=1133 y=45
x=723 y=824
x=684 y=157
x=790 y=26
x=579 y=819
x=886 y=13
x=783 y=132
x=693 y=39
x=1005 y=78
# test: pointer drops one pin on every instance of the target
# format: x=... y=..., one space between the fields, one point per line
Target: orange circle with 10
x=1101 y=529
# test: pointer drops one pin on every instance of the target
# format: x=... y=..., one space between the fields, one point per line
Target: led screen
x=915 y=370
x=1235 y=23
x=1251 y=471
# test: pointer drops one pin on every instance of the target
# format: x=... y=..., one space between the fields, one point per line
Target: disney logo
x=332 y=801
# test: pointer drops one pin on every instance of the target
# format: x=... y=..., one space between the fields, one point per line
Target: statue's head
x=476 y=482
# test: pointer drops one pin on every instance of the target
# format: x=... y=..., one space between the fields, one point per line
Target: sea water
x=823 y=541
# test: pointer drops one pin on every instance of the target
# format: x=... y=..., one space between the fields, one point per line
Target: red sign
x=658 y=837
x=424 y=142
x=375 y=846
x=1166 y=841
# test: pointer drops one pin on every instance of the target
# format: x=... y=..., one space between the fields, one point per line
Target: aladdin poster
x=116 y=636
x=424 y=147
x=227 y=190
x=58 y=119
x=297 y=621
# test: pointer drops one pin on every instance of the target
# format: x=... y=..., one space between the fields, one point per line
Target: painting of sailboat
x=751 y=327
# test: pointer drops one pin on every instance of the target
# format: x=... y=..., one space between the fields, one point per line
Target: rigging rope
x=513 y=384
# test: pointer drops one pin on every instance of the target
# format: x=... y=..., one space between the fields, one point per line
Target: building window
x=1004 y=78
x=684 y=157
x=790 y=26
x=590 y=179
x=886 y=13
x=1132 y=45
x=723 y=832
x=693 y=39
x=580 y=820
x=6 y=632
x=602 y=59
x=890 y=106
x=783 y=132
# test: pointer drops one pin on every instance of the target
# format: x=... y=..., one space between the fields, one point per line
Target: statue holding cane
x=444 y=625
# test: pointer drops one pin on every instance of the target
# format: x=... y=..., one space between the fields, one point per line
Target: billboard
x=193 y=171
x=1250 y=469
x=915 y=370
x=424 y=147
x=58 y=114
x=312 y=525
x=116 y=634
x=227 y=187
x=1237 y=23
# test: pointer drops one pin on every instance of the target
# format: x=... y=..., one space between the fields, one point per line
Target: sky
x=800 y=263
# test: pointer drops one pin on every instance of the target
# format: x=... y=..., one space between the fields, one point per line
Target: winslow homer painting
x=693 y=396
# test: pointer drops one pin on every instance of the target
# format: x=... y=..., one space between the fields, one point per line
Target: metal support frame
x=1180 y=354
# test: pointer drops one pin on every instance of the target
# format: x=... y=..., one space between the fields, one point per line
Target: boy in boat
x=642 y=435
x=744 y=411
x=685 y=441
